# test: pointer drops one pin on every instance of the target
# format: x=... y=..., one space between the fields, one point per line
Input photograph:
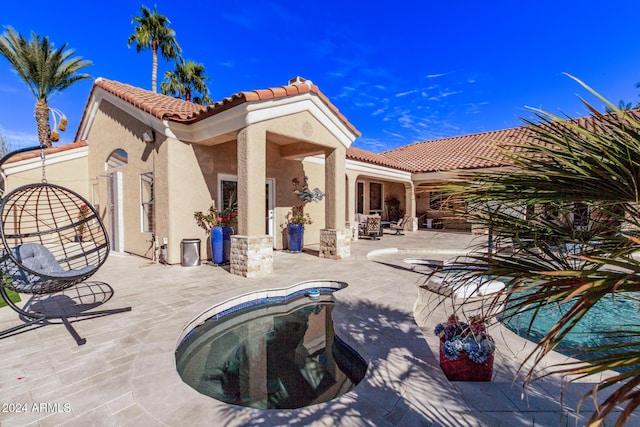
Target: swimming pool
x=271 y=355
x=607 y=315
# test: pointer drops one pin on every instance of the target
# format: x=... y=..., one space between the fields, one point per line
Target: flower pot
x=221 y=244
x=465 y=369
x=295 y=237
x=78 y=238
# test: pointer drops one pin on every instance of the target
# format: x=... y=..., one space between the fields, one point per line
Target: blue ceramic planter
x=221 y=244
x=295 y=234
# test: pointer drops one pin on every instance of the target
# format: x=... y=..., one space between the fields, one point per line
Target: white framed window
x=227 y=192
x=118 y=157
x=147 y=202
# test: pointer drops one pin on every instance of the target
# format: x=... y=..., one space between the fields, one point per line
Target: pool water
x=606 y=315
x=280 y=356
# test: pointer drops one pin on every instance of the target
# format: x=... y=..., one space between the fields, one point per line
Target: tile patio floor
x=125 y=374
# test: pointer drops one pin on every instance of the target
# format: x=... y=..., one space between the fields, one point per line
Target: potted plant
x=466 y=349
x=82 y=215
x=295 y=221
x=220 y=226
x=296 y=218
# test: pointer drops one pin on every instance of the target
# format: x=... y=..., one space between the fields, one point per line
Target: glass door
x=114 y=211
x=270 y=215
x=375 y=198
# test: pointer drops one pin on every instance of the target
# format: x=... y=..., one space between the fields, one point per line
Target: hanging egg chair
x=51 y=238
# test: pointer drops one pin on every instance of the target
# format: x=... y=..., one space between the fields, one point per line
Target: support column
x=251 y=248
x=410 y=203
x=334 y=169
x=252 y=159
x=335 y=239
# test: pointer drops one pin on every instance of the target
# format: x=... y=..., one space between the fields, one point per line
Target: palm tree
x=4 y=144
x=46 y=71
x=186 y=79
x=594 y=162
x=153 y=33
x=622 y=105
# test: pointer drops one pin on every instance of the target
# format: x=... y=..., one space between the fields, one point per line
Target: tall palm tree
x=46 y=71
x=152 y=32
x=556 y=260
x=185 y=81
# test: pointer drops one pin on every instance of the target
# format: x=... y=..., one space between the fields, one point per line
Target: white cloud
x=336 y=74
x=226 y=64
x=19 y=140
x=8 y=89
x=243 y=20
x=371 y=144
x=394 y=134
x=406 y=120
x=433 y=76
x=409 y=92
x=449 y=93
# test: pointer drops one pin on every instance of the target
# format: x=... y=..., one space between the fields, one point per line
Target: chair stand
x=35 y=318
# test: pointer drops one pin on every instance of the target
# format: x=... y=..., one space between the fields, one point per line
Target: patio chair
x=401 y=226
x=362 y=222
x=51 y=239
x=372 y=227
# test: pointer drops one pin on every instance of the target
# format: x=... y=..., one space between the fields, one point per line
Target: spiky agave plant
x=590 y=164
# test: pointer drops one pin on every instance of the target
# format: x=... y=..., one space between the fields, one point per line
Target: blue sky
x=401 y=72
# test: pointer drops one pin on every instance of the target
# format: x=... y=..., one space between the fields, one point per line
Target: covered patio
x=183 y=157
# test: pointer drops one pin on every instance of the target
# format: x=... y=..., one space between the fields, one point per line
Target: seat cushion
x=37 y=258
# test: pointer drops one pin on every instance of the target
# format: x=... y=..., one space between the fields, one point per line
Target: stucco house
x=148 y=161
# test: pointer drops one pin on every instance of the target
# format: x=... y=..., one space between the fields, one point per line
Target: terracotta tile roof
x=47 y=151
x=478 y=150
x=158 y=105
x=168 y=108
x=365 y=156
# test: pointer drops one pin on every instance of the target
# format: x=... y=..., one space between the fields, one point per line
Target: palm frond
x=552 y=259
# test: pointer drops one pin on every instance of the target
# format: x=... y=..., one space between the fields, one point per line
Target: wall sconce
x=148 y=136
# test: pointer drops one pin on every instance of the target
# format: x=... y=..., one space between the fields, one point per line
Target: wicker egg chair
x=51 y=238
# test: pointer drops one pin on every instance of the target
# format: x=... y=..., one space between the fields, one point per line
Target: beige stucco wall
x=194 y=172
x=113 y=129
x=187 y=175
x=71 y=173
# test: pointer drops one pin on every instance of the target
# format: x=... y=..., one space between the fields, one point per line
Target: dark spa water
x=279 y=356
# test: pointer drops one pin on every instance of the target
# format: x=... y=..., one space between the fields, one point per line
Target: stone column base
x=335 y=244
x=251 y=256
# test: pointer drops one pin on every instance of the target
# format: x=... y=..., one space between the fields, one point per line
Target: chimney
x=300 y=80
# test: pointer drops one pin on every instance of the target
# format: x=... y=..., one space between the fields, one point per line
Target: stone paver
x=125 y=374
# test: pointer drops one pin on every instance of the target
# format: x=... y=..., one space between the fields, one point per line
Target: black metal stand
x=35 y=318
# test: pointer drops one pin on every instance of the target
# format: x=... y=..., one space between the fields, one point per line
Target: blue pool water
x=270 y=356
x=606 y=315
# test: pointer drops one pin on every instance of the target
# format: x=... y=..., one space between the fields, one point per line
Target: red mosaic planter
x=464 y=369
